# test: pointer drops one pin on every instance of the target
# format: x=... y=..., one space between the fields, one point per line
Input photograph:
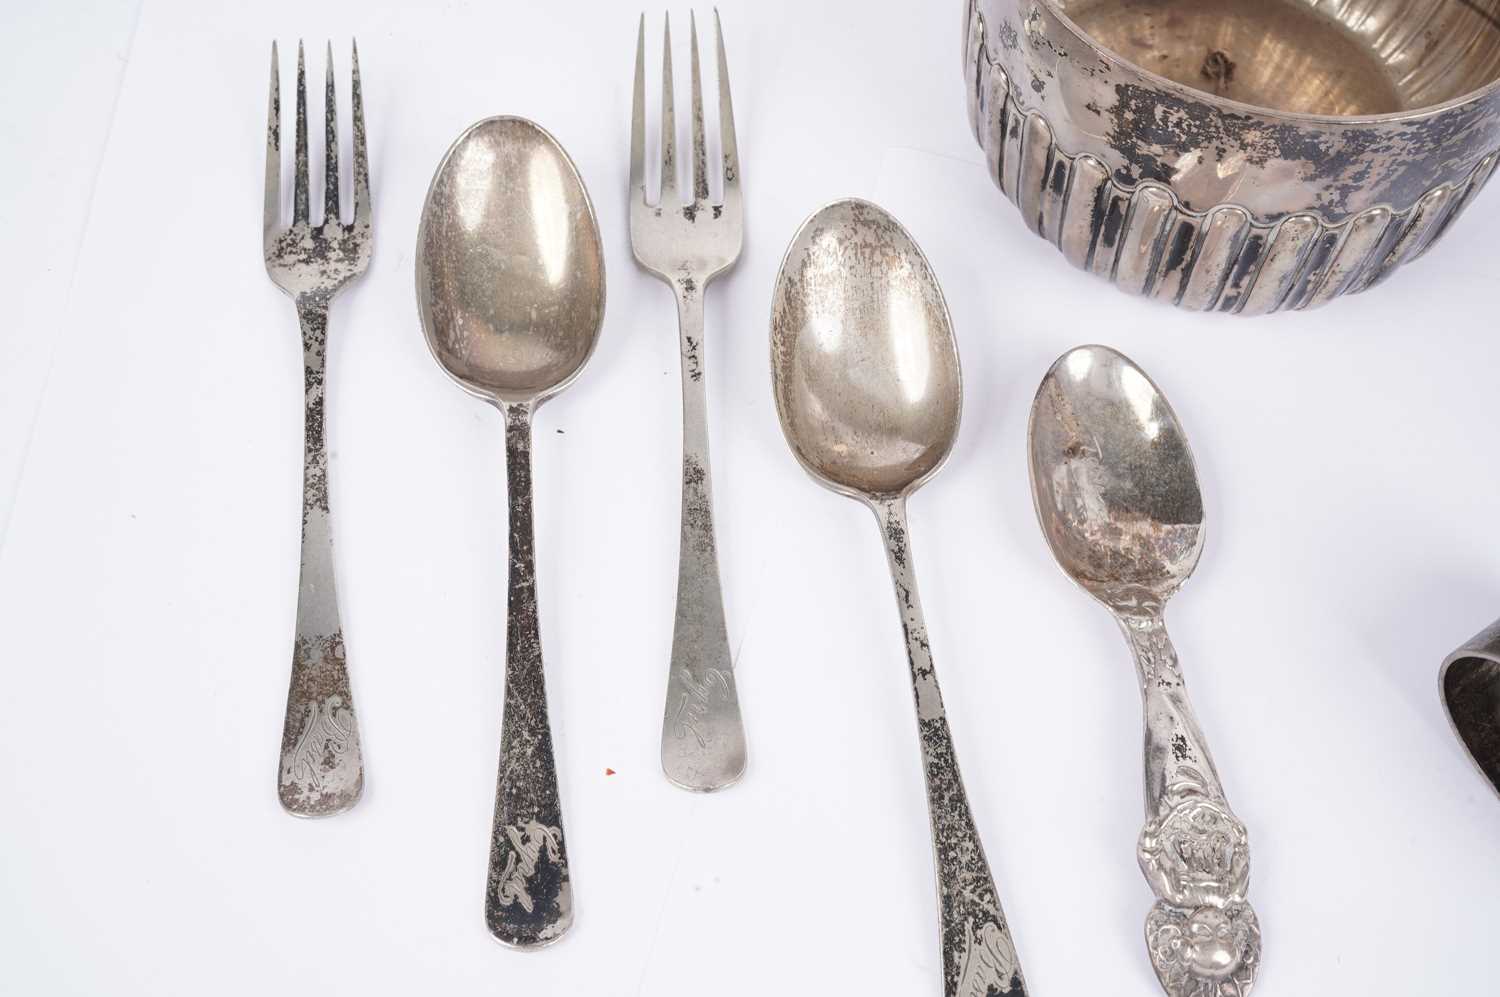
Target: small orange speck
x=609 y=771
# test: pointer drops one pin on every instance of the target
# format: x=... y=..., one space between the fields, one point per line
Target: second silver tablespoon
x=867 y=385
x=1117 y=494
x=510 y=284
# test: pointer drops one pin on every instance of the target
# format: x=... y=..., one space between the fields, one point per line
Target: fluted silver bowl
x=1237 y=155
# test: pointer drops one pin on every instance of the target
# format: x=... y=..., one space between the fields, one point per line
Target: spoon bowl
x=510 y=267
x=1113 y=479
x=863 y=357
x=510 y=285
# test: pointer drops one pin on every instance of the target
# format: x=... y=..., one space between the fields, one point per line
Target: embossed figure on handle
x=869 y=392
x=322 y=771
x=688 y=241
x=515 y=335
x=1117 y=494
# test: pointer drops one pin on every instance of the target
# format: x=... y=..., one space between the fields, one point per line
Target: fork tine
x=638 y=117
x=273 y=150
x=330 y=147
x=700 y=153
x=668 y=122
x=727 y=140
x=361 y=154
x=299 y=190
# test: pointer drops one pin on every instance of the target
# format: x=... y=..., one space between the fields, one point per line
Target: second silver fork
x=687 y=242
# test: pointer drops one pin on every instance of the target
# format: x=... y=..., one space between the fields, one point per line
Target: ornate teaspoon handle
x=322 y=769
x=979 y=957
x=528 y=900
x=1202 y=934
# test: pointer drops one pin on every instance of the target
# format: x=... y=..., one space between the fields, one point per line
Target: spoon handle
x=703 y=735
x=979 y=956
x=1194 y=851
x=528 y=901
x=322 y=769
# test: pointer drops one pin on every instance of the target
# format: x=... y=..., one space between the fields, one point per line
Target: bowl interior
x=1471 y=691
x=1333 y=57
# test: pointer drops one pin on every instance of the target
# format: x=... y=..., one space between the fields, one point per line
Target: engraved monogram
x=526 y=843
x=696 y=699
x=990 y=965
x=327 y=734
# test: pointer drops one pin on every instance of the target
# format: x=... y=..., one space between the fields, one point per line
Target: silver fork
x=322 y=771
x=687 y=242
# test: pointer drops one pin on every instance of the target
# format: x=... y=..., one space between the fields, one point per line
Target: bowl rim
x=1183 y=90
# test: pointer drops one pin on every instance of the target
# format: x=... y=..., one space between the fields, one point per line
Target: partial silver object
x=510 y=285
x=688 y=241
x=322 y=770
x=1237 y=155
x=1470 y=687
x=1117 y=494
x=867 y=384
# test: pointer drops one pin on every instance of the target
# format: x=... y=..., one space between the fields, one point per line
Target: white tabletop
x=150 y=422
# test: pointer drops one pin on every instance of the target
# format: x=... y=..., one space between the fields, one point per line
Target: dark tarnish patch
x=1218 y=69
x=1114 y=220
x=1154 y=129
x=312 y=309
x=691 y=359
x=697 y=509
x=1060 y=176
x=1009 y=40
x=1180 y=246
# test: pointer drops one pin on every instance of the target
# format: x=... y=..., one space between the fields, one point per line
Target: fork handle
x=322 y=770
x=703 y=735
x=529 y=898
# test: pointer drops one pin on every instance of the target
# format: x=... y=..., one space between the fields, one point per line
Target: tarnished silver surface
x=687 y=241
x=322 y=770
x=510 y=285
x=1117 y=494
x=867 y=385
x=1470 y=687
x=1237 y=155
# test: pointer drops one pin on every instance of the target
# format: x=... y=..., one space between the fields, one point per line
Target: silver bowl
x=1237 y=155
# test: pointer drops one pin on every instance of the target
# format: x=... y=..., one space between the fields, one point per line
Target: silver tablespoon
x=510 y=284
x=1117 y=494
x=866 y=376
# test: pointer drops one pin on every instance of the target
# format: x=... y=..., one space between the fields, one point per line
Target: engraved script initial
x=696 y=698
x=989 y=967
x=326 y=734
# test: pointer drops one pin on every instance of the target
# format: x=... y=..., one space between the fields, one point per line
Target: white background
x=150 y=426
